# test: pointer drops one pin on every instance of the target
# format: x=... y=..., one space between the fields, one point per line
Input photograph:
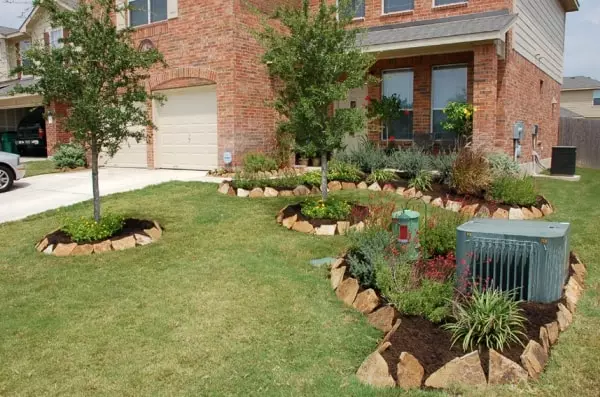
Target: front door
x=356 y=99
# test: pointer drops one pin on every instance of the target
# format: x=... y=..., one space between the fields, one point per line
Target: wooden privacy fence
x=585 y=135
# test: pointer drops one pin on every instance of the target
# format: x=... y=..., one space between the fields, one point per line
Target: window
x=449 y=84
x=356 y=9
x=447 y=2
x=390 y=6
x=597 y=98
x=24 y=46
x=144 y=12
x=400 y=82
x=55 y=36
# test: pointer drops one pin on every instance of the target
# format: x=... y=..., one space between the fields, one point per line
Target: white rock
x=243 y=192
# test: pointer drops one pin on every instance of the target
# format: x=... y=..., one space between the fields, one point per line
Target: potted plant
x=388 y=109
x=302 y=156
x=459 y=120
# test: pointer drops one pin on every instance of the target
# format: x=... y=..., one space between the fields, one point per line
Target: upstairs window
x=55 y=36
x=448 y=2
x=24 y=46
x=356 y=8
x=144 y=12
x=597 y=98
x=390 y=6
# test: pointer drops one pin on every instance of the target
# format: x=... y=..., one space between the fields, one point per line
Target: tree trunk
x=95 y=186
x=324 y=176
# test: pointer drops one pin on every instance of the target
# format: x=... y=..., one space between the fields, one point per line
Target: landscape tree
x=313 y=53
x=98 y=74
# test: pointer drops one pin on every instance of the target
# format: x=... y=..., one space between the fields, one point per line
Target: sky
x=581 y=48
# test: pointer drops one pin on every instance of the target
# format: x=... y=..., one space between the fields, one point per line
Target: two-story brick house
x=504 y=56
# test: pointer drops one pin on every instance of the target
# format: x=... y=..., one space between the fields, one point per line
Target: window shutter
x=47 y=39
x=121 y=22
x=172 y=11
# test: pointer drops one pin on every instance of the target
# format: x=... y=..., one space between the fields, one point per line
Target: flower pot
x=303 y=162
x=315 y=162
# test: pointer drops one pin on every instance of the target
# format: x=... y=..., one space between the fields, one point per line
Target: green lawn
x=34 y=168
x=224 y=304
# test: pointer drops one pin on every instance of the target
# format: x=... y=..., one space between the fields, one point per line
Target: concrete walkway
x=37 y=194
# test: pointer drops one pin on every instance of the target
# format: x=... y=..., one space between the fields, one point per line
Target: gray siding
x=539 y=34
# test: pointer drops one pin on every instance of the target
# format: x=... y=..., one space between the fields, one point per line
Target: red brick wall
x=485 y=95
x=422 y=68
x=55 y=133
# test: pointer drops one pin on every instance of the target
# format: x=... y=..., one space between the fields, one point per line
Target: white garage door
x=187 y=129
x=131 y=155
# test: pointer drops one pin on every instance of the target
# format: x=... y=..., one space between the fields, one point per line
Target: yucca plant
x=490 y=318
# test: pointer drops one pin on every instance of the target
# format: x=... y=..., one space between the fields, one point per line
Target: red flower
x=407 y=112
x=368 y=98
x=391 y=139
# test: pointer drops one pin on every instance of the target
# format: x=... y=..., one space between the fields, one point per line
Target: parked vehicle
x=31 y=133
x=11 y=170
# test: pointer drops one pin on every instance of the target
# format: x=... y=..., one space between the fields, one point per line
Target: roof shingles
x=580 y=83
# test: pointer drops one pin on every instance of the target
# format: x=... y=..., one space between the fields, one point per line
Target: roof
x=70 y=4
x=564 y=112
x=580 y=83
x=7 y=86
x=463 y=25
x=4 y=30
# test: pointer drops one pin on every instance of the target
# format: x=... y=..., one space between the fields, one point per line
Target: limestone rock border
x=465 y=371
x=471 y=210
x=293 y=223
x=148 y=236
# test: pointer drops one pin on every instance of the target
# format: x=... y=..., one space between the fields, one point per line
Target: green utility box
x=405 y=226
x=8 y=142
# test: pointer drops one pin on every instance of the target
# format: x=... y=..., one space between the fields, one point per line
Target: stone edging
x=114 y=244
x=462 y=371
x=482 y=211
x=340 y=227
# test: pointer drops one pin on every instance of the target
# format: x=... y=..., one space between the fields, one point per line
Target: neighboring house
x=564 y=112
x=504 y=56
x=581 y=95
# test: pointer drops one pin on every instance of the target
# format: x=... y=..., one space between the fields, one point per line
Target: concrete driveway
x=46 y=192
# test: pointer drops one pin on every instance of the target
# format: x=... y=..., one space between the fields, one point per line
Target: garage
x=187 y=129
x=131 y=155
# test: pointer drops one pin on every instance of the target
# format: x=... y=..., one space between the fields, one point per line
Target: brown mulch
x=131 y=227
x=359 y=212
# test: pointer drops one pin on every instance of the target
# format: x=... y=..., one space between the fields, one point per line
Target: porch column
x=485 y=95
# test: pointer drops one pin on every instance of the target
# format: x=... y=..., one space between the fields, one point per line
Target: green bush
x=443 y=163
x=312 y=178
x=87 y=230
x=422 y=181
x=382 y=176
x=470 y=173
x=366 y=250
x=514 y=191
x=412 y=161
x=70 y=155
x=430 y=299
x=251 y=181
x=367 y=157
x=502 y=165
x=343 y=171
x=490 y=319
x=256 y=162
x=437 y=234
x=332 y=208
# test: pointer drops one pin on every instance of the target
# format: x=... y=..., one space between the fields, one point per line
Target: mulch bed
x=131 y=227
x=432 y=345
x=359 y=213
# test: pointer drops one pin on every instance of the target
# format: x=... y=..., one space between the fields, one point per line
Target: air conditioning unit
x=528 y=257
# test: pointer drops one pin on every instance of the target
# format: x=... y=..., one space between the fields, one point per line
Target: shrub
x=422 y=181
x=437 y=234
x=443 y=163
x=439 y=268
x=459 y=119
x=382 y=176
x=366 y=250
x=87 y=230
x=312 y=178
x=412 y=161
x=490 y=319
x=344 y=172
x=514 y=191
x=332 y=208
x=381 y=207
x=255 y=162
x=70 y=155
x=368 y=157
x=470 y=173
x=502 y=165
x=251 y=181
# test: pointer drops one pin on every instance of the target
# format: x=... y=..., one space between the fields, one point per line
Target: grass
x=224 y=304
x=34 y=168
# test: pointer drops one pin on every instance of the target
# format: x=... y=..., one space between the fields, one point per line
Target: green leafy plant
x=70 y=155
x=344 y=172
x=514 y=191
x=312 y=178
x=411 y=161
x=368 y=157
x=443 y=163
x=459 y=120
x=367 y=249
x=502 y=165
x=422 y=181
x=489 y=318
x=251 y=181
x=437 y=234
x=87 y=230
x=332 y=208
x=386 y=109
x=255 y=162
x=471 y=173
x=382 y=176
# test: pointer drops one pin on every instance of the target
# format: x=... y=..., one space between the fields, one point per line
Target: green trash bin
x=9 y=142
x=405 y=226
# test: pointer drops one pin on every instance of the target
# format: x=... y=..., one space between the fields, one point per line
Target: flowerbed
x=293 y=218
x=133 y=233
